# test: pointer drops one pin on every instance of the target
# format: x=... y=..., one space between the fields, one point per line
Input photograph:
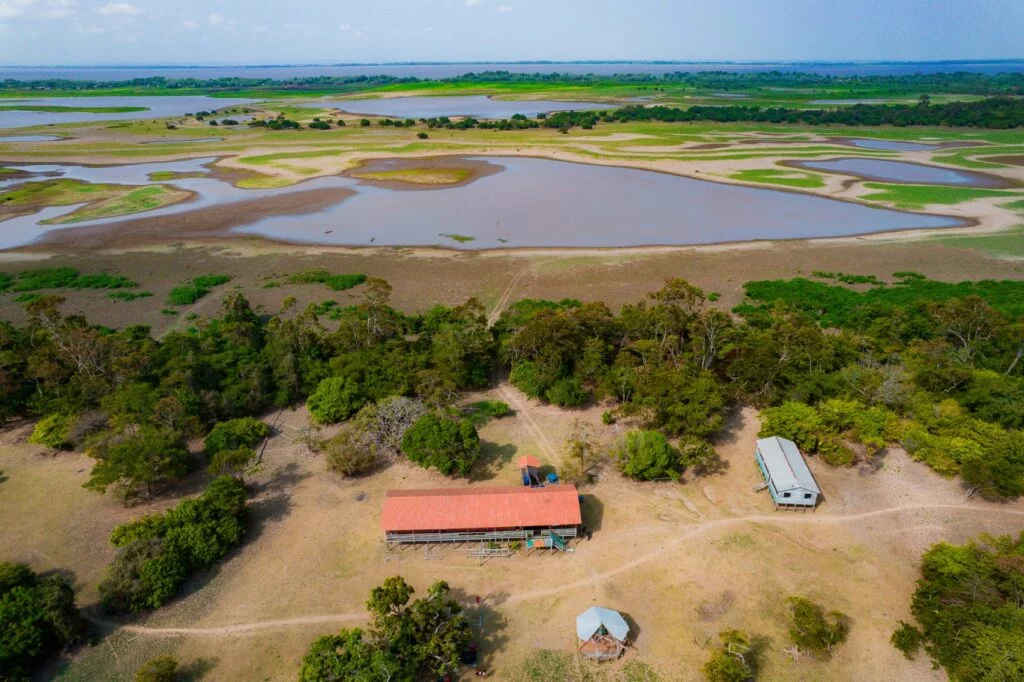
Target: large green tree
x=449 y=444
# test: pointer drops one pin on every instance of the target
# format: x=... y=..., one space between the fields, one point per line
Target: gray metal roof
x=785 y=464
x=591 y=620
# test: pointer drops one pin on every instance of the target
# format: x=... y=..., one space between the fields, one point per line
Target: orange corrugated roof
x=480 y=508
x=529 y=461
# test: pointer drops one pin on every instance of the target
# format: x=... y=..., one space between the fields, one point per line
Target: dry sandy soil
x=660 y=551
x=423 y=277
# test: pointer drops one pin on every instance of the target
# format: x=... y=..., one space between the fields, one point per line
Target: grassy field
x=919 y=196
x=780 y=177
x=101 y=200
x=683 y=561
x=419 y=176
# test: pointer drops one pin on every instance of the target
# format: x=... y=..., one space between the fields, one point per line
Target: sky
x=91 y=32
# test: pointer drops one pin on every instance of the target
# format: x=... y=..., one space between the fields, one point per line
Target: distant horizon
x=444 y=62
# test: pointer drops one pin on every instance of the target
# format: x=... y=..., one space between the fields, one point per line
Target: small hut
x=602 y=634
x=529 y=467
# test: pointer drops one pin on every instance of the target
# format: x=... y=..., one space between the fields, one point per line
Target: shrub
x=907 y=639
x=38 y=618
x=567 y=392
x=199 y=287
x=160 y=669
x=495 y=409
x=734 y=661
x=334 y=282
x=812 y=630
x=246 y=432
x=158 y=553
x=647 y=455
x=449 y=445
x=608 y=417
x=335 y=399
x=422 y=135
x=231 y=462
x=350 y=454
x=53 y=431
x=136 y=464
x=526 y=378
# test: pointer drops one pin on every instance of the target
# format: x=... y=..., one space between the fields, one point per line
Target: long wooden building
x=480 y=514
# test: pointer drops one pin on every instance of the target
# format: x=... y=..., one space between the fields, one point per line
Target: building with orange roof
x=480 y=514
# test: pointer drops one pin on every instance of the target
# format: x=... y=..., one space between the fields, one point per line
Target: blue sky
x=40 y=32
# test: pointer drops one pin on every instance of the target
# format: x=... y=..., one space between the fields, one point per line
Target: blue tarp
x=591 y=620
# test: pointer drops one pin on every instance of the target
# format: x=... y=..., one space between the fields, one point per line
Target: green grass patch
x=134 y=201
x=196 y=289
x=460 y=238
x=27 y=297
x=61 y=278
x=334 y=282
x=128 y=295
x=838 y=306
x=1009 y=244
x=419 y=176
x=780 y=177
x=918 y=196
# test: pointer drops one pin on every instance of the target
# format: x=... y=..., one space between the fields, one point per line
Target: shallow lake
x=477 y=106
x=891 y=145
x=530 y=203
x=156 y=107
x=29 y=138
x=542 y=203
x=903 y=172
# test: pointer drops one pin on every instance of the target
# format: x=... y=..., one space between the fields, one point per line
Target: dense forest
x=958 y=83
x=933 y=366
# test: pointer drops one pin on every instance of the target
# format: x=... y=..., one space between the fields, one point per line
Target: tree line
x=992 y=112
x=956 y=82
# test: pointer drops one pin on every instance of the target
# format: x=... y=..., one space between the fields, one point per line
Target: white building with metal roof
x=786 y=475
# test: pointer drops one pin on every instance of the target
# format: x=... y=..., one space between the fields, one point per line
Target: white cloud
x=259 y=29
x=88 y=29
x=473 y=3
x=58 y=9
x=503 y=8
x=344 y=28
x=14 y=8
x=216 y=19
x=189 y=24
x=119 y=8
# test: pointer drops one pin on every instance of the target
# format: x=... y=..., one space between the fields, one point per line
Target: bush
x=608 y=417
x=199 y=287
x=526 y=378
x=567 y=392
x=907 y=639
x=734 y=661
x=422 y=135
x=495 y=409
x=336 y=399
x=53 y=431
x=812 y=630
x=647 y=455
x=138 y=463
x=350 y=454
x=158 y=553
x=160 y=669
x=38 y=618
x=231 y=462
x=449 y=445
x=334 y=282
x=246 y=432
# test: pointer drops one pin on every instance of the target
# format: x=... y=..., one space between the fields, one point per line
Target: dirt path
x=506 y=295
x=523 y=409
x=680 y=538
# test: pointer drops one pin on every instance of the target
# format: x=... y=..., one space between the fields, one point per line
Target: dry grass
x=661 y=553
